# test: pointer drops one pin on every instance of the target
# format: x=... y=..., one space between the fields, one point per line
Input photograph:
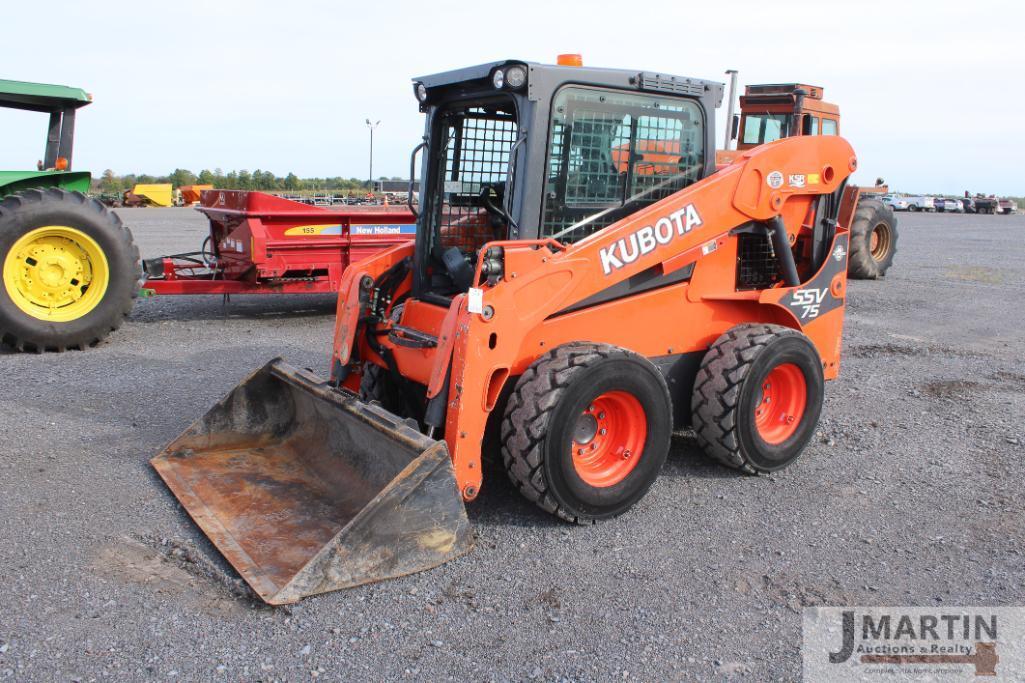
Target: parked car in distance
x=944 y=204
x=1006 y=207
x=919 y=203
x=896 y=202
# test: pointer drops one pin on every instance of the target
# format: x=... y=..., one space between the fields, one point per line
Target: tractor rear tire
x=757 y=397
x=873 y=241
x=70 y=271
x=586 y=431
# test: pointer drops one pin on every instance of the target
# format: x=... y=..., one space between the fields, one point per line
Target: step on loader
x=583 y=281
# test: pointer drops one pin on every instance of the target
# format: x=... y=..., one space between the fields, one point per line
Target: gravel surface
x=909 y=494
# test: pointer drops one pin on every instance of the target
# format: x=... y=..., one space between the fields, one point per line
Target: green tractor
x=70 y=268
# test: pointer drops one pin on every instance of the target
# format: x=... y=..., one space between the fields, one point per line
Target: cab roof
x=41 y=96
x=552 y=73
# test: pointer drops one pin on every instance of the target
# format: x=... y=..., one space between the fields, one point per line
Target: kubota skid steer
x=570 y=296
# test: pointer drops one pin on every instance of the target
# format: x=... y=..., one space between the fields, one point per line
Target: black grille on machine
x=757 y=267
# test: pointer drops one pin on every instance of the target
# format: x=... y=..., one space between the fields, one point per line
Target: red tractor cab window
x=762 y=128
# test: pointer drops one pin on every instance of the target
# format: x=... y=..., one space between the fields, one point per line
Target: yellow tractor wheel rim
x=56 y=273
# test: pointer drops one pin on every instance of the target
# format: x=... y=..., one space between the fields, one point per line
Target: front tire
x=586 y=431
x=757 y=397
x=71 y=271
x=873 y=241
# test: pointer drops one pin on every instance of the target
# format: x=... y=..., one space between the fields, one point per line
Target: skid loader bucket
x=305 y=489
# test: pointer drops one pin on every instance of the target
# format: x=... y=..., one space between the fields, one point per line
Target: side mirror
x=735 y=127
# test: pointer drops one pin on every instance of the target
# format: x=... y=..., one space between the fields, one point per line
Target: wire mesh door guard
x=476 y=145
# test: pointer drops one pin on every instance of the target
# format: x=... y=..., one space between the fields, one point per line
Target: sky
x=930 y=93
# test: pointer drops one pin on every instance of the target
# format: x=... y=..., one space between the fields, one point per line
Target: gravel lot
x=910 y=494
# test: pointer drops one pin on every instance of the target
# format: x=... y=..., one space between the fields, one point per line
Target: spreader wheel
x=757 y=397
x=70 y=271
x=586 y=430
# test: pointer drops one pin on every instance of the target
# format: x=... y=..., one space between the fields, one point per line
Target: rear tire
x=55 y=245
x=734 y=422
x=873 y=242
x=586 y=431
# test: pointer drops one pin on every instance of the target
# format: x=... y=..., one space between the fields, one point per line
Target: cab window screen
x=828 y=127
x=611 y=153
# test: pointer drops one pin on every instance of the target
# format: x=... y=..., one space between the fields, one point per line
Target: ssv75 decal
x=808 y=301
x=816 y=298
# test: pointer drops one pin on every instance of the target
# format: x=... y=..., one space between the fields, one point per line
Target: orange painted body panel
x=418 y=364
x=543 y=278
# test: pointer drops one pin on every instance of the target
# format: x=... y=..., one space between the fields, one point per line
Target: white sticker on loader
x=797 y=180
x=475 y=300
x=774 y=180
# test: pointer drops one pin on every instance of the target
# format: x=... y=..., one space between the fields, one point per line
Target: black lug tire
x=31 y=209
x=871 y=214
x=728 y=387
x=540 y=416
x=376 y=385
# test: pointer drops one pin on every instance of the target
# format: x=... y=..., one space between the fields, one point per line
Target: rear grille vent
x=670 y=84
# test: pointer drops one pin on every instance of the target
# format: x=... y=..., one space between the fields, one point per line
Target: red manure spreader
x=74 y=280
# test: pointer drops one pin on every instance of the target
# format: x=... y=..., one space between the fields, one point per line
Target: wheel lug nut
x=626 y=454
x=580 y=451
x=603 y=431
x=590 y=409
x=601 y=415
x=594 y=446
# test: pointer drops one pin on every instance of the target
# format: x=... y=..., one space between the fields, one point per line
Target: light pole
x=372 y=126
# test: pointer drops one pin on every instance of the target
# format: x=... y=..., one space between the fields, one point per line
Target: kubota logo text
x=628 y=249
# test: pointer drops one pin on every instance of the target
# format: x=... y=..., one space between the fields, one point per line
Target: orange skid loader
x=563 y=303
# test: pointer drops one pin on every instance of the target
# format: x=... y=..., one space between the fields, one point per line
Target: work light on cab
x=515 y=76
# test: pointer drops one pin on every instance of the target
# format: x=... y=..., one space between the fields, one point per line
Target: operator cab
x=773 y=111
x=516 y=150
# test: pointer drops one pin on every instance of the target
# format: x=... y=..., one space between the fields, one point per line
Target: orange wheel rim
x=608 y=438
x=782 y=403
x=879 y=242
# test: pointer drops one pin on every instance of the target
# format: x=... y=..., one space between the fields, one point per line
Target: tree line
x=110 y=182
